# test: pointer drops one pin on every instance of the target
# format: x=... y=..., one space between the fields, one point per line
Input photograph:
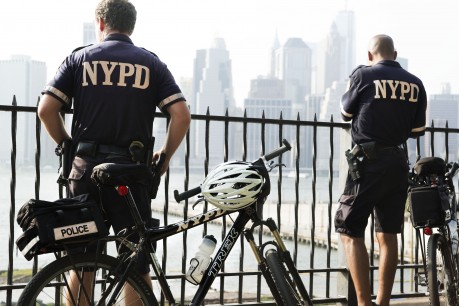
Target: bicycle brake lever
x=271 y=166
x=197 y=202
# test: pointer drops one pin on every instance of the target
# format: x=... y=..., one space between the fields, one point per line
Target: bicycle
x=108 y=275
x=433 y=206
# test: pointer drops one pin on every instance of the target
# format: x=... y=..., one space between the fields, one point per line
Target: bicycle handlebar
x=452 y=172
x=186 y=194
x=195 y=191
x=277 y=152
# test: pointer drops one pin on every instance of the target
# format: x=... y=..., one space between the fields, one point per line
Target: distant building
x=442 y=109
x=403 y=62
x=89 y=33
x=294 y=67
x=23 y=78
x=266 y=98
x=329 y=57
x=330 y=110
x=336 y=53
x=212 y=91
x=345 y=24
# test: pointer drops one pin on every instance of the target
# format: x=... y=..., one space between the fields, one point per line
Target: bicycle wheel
x=282 y=279
x=50 y=285
x=440 y=274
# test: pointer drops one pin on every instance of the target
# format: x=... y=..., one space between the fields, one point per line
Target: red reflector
x=427 y=231
x=122 y=190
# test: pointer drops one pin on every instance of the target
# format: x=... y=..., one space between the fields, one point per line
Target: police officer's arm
x=49 y=110
x=180 y=119
x=419 y=126
x=349 y=101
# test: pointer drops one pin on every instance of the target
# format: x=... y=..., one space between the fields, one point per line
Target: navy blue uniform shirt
x=115 y=87
x=386 y=104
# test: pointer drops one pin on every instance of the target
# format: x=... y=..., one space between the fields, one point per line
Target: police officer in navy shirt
x=114 y=88
x=387 y=105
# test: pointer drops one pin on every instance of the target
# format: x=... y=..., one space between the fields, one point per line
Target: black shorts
x=115 y=208
x=383 y=188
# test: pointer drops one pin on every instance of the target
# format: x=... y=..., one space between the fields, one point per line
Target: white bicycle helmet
x=232 y=185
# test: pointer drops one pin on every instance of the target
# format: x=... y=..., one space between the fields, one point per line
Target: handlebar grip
x=186 y=194
x=452 y=172
x=286 y=147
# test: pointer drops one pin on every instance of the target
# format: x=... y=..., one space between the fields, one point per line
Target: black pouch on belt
x=370 y=150
x=86 y=148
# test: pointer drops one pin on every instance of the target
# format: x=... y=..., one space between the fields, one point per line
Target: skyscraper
x=443 y=108
x=89 y=33
x=294 y=67
x=24 y=78
x=213 y=91
x=345 y=24
x=336 y=53
x=330 y=108
x=266 y=97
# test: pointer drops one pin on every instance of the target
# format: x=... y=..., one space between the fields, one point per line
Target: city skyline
x=47 y=32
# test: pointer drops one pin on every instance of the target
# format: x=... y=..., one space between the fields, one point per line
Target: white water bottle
x=201 y=260
x=454 y=235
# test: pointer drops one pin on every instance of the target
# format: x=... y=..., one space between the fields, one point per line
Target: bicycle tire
x=282 y=279
x=440 y=274
x=49 y=284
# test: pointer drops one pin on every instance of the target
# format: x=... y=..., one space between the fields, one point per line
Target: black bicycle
x=433 y=209
x=232 y=187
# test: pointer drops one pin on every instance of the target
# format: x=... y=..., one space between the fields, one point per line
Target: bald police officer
x=387 y=105
x=115 y=87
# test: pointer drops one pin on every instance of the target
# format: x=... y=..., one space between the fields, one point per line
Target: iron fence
x=303 y=200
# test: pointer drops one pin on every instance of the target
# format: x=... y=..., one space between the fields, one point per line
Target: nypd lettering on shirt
x=137 y=76
x=75 y=230
x=396 y=90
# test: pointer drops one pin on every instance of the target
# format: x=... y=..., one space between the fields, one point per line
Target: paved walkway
x=422 y=301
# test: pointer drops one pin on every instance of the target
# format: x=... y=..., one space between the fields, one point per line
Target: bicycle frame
x=152 y=235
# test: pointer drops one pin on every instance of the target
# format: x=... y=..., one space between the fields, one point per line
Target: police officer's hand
x=160 y=159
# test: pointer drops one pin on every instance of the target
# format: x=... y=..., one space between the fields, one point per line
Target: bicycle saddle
x=430 y=165
x=111 y=174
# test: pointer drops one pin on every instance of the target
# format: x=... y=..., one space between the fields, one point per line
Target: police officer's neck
x=374 y=58
x=106 y=33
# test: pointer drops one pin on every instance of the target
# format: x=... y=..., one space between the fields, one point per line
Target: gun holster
x=65 y=153
x=155 y=169
x=354 y=159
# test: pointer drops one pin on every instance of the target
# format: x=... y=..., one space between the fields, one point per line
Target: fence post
x=345 y=286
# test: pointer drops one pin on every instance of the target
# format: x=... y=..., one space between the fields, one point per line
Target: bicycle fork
x=284 y=255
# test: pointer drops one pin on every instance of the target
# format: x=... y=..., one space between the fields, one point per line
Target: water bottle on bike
x=201 y=260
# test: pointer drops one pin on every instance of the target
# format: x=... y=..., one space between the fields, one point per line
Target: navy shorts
x=382 y=189
x=116 y=211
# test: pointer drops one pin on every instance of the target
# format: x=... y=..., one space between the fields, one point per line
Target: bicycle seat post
x=125 y=192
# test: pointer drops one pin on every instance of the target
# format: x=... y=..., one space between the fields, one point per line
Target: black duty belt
x=380 y=147
x=91 y=148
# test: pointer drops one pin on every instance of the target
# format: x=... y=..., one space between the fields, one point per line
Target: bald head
x=381 y=47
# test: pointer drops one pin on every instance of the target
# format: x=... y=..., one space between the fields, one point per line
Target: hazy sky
x=425 y=31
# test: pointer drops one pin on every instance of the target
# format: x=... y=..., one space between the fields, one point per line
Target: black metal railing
x=302 y=202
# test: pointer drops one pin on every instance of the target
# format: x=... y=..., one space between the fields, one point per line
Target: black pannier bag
x=429 y=205
x=59 y=225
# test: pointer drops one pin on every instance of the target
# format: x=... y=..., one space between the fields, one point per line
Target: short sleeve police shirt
x=115 y=87
x=386 y=104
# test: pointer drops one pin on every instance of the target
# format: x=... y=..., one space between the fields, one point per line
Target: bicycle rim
x=282 y=280
x=440 y=274
x=50 y=285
